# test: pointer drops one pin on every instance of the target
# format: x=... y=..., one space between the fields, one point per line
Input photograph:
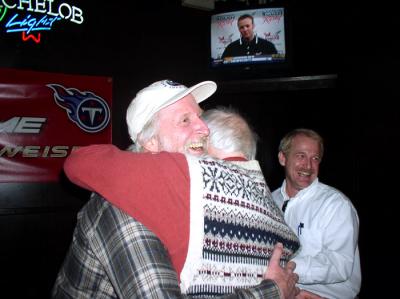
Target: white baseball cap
x=159 y=95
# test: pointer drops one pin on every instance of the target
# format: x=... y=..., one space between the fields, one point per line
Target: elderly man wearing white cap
x=113 y=255
x=176 y=112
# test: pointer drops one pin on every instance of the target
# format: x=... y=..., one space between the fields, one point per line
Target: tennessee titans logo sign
x=87 y=110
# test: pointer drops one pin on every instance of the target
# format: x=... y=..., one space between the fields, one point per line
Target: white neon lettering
x=21 y=7
x=50 y=12
x=77 y=15
x=60 y=12
x=8 y=5
x=28 y=23
x=64 y=10
x=40 y=6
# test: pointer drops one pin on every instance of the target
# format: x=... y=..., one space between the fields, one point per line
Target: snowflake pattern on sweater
x=234 y=225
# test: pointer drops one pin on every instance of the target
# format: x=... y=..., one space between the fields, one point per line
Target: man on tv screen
x=248 y=43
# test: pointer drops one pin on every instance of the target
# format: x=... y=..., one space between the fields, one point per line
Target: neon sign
x=30 y=17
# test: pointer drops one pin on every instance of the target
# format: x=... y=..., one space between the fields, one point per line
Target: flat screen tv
x=250 y=39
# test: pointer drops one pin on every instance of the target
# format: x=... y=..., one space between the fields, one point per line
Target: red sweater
x=153 y=188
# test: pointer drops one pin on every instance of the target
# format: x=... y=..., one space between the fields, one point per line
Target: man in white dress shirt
x=326 y=222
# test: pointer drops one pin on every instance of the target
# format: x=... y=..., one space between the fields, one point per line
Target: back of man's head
x=230 y=132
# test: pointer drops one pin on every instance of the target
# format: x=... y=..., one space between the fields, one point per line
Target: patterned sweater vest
x=234 y=225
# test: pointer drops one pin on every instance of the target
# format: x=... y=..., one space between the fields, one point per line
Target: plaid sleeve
x=135 y=261
x=114 y=256
x=267 y=289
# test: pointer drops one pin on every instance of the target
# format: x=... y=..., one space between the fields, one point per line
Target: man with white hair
x=114 y=256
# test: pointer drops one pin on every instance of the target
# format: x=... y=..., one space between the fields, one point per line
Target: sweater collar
x=235 y=159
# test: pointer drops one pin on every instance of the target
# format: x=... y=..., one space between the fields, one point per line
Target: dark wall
x=140 y=43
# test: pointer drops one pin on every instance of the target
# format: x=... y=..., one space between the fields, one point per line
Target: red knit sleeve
x=153 y=188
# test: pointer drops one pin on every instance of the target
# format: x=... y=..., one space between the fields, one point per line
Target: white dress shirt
x=326 y=222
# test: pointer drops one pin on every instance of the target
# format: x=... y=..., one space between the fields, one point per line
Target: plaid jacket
x=114 y=256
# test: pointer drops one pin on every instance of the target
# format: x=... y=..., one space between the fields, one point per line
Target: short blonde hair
x=286 y=142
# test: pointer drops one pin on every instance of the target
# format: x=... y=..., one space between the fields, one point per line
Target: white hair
x=230 y=132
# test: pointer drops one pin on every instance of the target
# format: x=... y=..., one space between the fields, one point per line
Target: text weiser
x=24 y=21
x=30 y=125
x=37 y=151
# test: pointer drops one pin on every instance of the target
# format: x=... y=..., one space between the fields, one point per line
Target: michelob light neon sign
x=31 y=17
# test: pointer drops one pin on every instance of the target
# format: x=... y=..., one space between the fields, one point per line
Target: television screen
x=251 y=37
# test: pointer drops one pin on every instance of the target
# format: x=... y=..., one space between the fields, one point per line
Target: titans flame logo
x=87 y=110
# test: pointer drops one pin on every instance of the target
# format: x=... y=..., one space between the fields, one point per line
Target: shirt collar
x=300 y=193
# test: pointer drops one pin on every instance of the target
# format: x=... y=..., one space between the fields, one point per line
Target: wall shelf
x=280 y=83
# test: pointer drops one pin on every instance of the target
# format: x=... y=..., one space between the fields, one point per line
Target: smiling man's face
x=181 y=129
x=301 y=163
